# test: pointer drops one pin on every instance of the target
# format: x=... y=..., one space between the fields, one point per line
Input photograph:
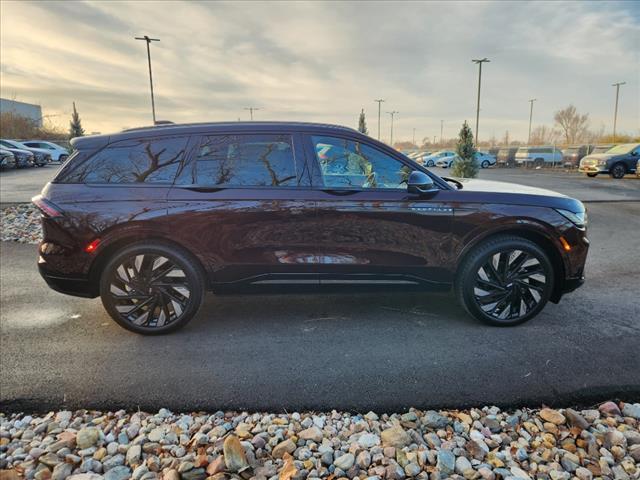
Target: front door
x=370 y=229
x=246 y=203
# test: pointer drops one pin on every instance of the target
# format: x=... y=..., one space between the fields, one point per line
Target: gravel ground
x=20 y=223
x=482 y=443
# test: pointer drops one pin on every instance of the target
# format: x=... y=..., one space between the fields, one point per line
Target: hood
x=603 y=156
x=476 y=185
x=19 y=150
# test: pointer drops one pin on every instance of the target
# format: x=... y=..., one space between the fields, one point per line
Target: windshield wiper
x=458 y=184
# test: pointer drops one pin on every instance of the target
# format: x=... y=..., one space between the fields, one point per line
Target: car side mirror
x=420 y=183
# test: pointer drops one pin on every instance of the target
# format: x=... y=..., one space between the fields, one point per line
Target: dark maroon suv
x=150 y=218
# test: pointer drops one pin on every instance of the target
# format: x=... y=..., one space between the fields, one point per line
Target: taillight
x=48 y=208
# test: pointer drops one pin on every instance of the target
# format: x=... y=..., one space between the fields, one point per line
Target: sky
x=324 y=62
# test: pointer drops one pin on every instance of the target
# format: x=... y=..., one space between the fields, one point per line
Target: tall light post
x=391 y=136
x=251 y=110
x=380 y=100
x=530 y=118
x=441 y=129
x=414 y=136
x=153 y=103
x=479 y=62
x=615 y=114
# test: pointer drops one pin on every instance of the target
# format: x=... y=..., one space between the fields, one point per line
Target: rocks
x=87 y=437
x=395 y=437
x=21 y=223
x=287 y=446
x=553 y=416
x=631 y=410
x=368 y=440
x=344 y=462
x=234 y=454
x=311 y=433
x=475 y=444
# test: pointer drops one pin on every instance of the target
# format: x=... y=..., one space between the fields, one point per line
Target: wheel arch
x=534 y=235
x=104 y=254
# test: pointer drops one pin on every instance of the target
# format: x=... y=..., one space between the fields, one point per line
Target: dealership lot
x=275 y=352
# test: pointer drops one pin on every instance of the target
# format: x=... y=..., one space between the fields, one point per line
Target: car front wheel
x=485 y=164
x=62 y=158
x=152 y=288
x=592 y=175
x=618 y=171
x=505 y=281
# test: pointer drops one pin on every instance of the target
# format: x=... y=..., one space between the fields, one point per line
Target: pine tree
x=75 y=125
x=362 y=124
x=465 y=166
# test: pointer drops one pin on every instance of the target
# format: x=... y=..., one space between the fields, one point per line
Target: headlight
x=578 y=219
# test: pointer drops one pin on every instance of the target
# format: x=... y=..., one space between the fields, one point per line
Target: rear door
x=368 y=228
x=245 y=204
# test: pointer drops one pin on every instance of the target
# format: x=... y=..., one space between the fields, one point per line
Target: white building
x=28 y=110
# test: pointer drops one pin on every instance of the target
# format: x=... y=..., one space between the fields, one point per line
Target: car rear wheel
x=430 y=163
x=485 y=164
x=63 y=158
x=618 y=171
x=538 y=162
x=505 y=281
x=152 y=288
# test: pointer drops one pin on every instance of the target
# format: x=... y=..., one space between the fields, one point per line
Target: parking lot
x=334 y=351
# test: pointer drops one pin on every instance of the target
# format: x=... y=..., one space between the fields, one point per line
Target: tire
x=592 y=175
x=176 y=297
x=525 y=285
x=63 y=158
x=431 y=163
x=618 y=171
x=485 y=164
x=538 y=162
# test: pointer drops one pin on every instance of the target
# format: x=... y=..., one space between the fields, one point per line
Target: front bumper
x=593 y=169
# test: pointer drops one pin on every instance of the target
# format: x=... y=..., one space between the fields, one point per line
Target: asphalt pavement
x=369 y=351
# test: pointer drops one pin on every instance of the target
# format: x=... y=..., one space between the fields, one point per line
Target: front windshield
x=624 y=148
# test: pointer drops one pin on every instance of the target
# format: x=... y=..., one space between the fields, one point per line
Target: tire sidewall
x=618 y=167
x=479 y=256
x=191 y=269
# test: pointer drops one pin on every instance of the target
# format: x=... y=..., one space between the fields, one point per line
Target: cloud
x=325 y=61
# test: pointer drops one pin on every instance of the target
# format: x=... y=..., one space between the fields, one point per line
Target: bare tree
x=543 y=135
x=573 y=124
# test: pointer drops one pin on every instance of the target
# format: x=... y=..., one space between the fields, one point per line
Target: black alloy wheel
x=505 y=281
x=151 y=289
x=618 y=171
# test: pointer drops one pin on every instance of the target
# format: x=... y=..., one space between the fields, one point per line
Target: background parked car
x=538 y=156
x=419 y=158
x=432 y=160
x=58 y=153
x=507 y=156
x=601 y=148
x=41 y=157
x=24 y=158
x=7 y=159
x=572 y=155
x=483 y=160
x=617 y=161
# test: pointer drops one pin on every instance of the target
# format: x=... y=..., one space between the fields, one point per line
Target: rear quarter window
x=139 y=161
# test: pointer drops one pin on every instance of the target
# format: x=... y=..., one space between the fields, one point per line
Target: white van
x=538 y=156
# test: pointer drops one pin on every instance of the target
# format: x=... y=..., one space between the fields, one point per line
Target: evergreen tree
x=362 y=124
x=75 y=126
x=465 y=166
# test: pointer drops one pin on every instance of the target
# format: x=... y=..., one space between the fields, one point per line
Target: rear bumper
x=77 y=287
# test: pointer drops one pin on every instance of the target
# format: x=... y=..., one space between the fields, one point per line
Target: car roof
x=95 y=141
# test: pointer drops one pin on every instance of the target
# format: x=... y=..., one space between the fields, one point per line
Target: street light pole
x=615 y=114
x=441 y=129
x=251 y=110
x=380 y=100
x=153 y=103
x=391 y=137
x=530 y=118
x=414 y=136
x=479 y=62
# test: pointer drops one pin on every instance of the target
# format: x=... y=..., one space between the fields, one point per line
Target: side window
x=246 y=160
x=348 y=163
x=148 y=161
